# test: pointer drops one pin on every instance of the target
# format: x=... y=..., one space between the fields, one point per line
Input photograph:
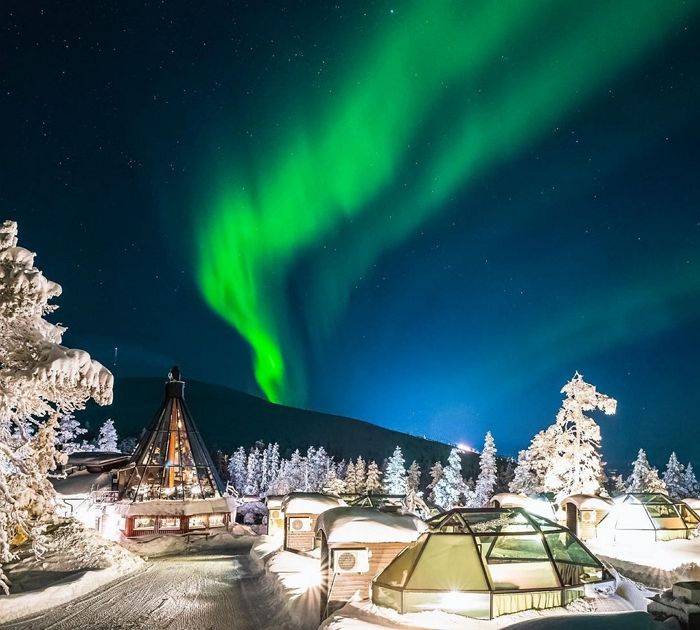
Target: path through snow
x=206 y=590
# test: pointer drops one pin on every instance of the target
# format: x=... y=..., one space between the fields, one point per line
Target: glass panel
x=574 y=563
x=216 y=520
x=518 y=562
x=688 y=515
x=546 y=524
x=449 y=562
x=476 y=605
x=388 y=597
x=631 y=516
x=505 y=521
x=397 y=572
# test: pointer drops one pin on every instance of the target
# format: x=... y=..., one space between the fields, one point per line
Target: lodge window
x=216 y=520
x=144 y=522
x=198 y=522
x=169 y=522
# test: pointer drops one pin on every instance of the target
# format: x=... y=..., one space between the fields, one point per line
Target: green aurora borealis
x=436 y=76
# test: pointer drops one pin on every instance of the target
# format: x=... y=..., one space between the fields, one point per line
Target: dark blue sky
x=579 y=253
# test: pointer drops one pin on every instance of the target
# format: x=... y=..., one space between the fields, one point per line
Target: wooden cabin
x=356 y=544
x=301 y=509
x=584 y=512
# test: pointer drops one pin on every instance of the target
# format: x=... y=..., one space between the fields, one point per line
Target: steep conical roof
x=171 y=461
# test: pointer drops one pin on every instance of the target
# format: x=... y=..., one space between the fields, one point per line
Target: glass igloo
x=484 y=563
x=647 y=516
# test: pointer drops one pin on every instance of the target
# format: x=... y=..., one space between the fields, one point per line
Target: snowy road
x=206 y=591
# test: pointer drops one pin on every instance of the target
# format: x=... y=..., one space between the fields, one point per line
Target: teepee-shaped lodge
x=171 y=484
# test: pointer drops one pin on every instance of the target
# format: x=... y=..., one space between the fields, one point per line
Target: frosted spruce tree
x=238 y=470
x=373 y=482
x=127 y=445
x=674 y=477
x=486 y=481
x=67 y=434
x=294 y=472
x=107 y=438
x=395 y=473
x=332 y=483
x=690 y=483
x=644 y=477
x=565 y=458
x=40 y=381
x=253 y=472
x=360 y=475
x=350 y=478
x=435 y=472
x=450 y=486
x=414 y=502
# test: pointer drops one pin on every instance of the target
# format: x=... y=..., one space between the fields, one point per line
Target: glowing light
x=419 y=85
x=465 y=448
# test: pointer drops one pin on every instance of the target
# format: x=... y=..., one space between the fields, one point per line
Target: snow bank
x=75 y=562
x=367 y=525
x=309 y=503
x=656 y=564
x=295 y=578
x=176 y=544
x=621 y=610
x=693 y=504
x=81 y=483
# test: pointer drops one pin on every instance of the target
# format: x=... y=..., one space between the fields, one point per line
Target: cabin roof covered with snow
x=692 y=503
x=104 y=460
x=81 y=483
x=309 y=503
x=169 y=507
x=368 y=525
x=588 y=502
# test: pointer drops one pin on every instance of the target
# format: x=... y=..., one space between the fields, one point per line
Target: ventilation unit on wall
x=300 y=524
x=350 y=560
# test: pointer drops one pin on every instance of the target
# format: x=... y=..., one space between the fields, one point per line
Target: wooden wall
x=299 y=541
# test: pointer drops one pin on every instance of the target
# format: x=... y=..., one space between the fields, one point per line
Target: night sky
x=427 y=215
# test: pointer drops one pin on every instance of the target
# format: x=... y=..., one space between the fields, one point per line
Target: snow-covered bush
x=40 y=381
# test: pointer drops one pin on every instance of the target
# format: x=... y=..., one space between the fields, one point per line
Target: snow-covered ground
x=75 y=562
x=296 y=578
x=212 y=590
x=657 y=565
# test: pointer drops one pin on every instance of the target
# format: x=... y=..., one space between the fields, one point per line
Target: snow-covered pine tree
x=360 y=475
x=575 y=465
x=253 y=472
x=528 y=476
x=373 y=482
x=307 y=464
x=486 y=481
x=674 y=477
x=318 y=466
x=238 y=470
x=350 y=478
x=128 y=445
x=270 y=466
x=295 y=472
x=395 y=473
x=506 y=474
x=450 y=486
x=107 y=438
x=40 y=381
x=68 y=431
x=690 y=483
x=414 y=496
x=644 y=477
x=435 y=473
x=332 y=483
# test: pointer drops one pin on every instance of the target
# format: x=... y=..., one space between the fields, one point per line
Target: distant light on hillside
x=465 y=448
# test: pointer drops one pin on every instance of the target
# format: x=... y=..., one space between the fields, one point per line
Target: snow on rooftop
x=588 y=502
x=169 y=507
x=368 y=525
x=309 y=503
x=693 y=504
x=82 y=483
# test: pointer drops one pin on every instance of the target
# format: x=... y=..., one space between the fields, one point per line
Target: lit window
x=169 y=522
x=216 y=520
x=144 y=522
x=198 y=522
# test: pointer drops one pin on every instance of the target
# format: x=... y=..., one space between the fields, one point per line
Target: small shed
x=275 y=516
x=538 y=504
x=584 y=512
x=301 y=509
x=357 y=543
